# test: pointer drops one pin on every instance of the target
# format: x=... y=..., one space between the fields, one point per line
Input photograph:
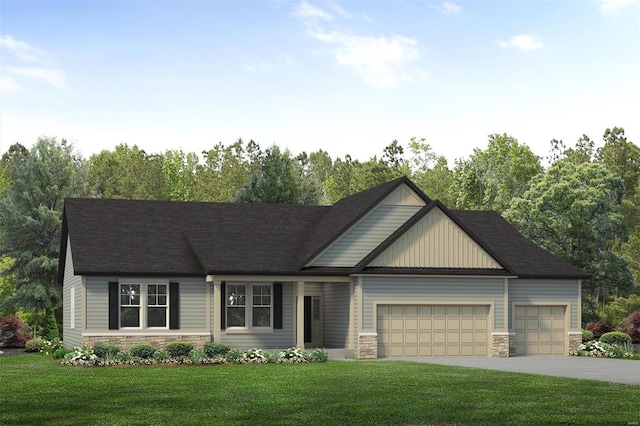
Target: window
x=134 y=311
x=248 y=305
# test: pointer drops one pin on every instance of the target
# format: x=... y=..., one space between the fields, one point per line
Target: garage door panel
x=540 y=330
x=433 y=330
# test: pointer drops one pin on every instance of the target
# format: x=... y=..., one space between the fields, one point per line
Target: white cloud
x=53 y=77
x=9 y=84
x=449 y=8
x=380 y=61
x=615 y=5
x=524 y=43
x=21 y=49
x=308 y=11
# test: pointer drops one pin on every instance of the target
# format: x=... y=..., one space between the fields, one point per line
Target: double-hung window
x=144 y=305
x=249 y=305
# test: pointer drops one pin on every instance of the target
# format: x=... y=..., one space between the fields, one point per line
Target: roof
x=160 y=238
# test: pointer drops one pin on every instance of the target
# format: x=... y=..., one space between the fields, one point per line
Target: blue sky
x=348 y=77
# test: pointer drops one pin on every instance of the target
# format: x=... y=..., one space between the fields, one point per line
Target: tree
x=490 y=179
x=583 y=152
x=622 y=157
x=31 y=222
x=179 y=170
x=572 y=210
x=430 y=172
x=127 y=173
x=279 y=180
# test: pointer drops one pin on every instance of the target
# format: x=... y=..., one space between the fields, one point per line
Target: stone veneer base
x=125 y=342
x=368 y=346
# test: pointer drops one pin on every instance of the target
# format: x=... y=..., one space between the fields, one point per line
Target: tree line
x=579 y=202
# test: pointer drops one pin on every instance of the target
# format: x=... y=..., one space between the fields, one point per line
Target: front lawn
x=38 y=390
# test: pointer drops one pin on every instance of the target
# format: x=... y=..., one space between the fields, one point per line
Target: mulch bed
x=14 y=352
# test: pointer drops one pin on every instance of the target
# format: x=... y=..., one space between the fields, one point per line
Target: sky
x=347 y=77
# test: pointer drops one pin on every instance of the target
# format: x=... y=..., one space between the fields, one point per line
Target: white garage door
x=433 y=330
x=540 y=330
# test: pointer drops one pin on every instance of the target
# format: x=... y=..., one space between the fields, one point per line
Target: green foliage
x=573 y=211
x=320 y=355
x=587 y=335
x=430 y=172
x=490 y=179
x=215 y=349
x=31 y=221
x=196 y=356
x=142 y=350
x=50 y=330
x=178 y=349
x=7 y=285
x=60 y=353
x=106 y=350
x=234 y=355
x=617 y=309
x=35 y=345
x=616 y=338
x=160 y=356
x=179 y=170
x=123 y=357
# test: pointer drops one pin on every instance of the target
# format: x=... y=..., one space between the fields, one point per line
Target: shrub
x=197 y=355
x=254 y=356
x=123 y=357
x=587 y=336
x=616 y=338
x=142 y=350
x=106 y=350
x=50 y=330
x=234 y=355
x=599 y=328
x=320 y=355
x=178 y=349
x=160 y=356
x=13 y=332
x=60 y=353
x=213 y=350
x=632 y=326
x=294 y=355
x=81 y=355
x=50 y=346
x=597 y=349
x=35 y=345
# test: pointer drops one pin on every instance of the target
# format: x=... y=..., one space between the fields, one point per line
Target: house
x=386 y=272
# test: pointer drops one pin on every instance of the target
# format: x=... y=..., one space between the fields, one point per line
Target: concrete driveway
x=602 y=369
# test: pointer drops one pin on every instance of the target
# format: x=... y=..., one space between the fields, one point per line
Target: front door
x=312 y=321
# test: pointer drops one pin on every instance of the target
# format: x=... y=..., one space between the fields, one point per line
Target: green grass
x=38 y=390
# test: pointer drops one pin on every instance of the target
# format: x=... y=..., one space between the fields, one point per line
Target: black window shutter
x=223 y=306
x=113 y=306
x=277 y=306
x=174 y=306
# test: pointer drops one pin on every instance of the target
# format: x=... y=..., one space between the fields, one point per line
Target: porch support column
x=217 y=314
x=300 y=314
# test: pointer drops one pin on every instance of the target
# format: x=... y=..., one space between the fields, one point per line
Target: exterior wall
x=336 y=302
x=160 y=341
x=72 y=333
x=97 y=303
x=435 y=242
x=278 y=339
x=193 y=304
x=365 y=236
x=368 y=346
x=547 y=292
x=428 y=290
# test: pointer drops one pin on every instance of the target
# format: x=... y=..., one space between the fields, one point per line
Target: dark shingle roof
x=129 y=237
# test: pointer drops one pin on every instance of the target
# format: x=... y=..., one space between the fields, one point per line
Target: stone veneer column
x=501 y=344
x=574 y=340
x=368 y=346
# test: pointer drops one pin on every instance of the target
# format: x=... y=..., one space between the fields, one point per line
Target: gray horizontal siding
x=366 y=236
x=335 y=307
x=71 y=336
x=279 y=339
x=193 y=304
x=532 y=291
x=431 y=290
x=97 y=312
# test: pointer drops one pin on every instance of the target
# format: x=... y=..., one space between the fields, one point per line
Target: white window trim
x=248 y=310
x=144 y=306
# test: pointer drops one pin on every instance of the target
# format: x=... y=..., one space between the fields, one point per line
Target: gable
x=367 y=234
x=435 y=241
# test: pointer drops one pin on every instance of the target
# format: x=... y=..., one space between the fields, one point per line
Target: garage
x=540 y=330
x=433 y=330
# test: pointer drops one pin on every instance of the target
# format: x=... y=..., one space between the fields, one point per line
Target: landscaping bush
x=234 y=355
x=320 y=355
x=160 y=356
x=60 y=353
x=599 y=328
x=106 y=350
x=587 y=336
x=215 y=349
x=632 y=326
x=50 y=330
x=142 y=350
x=35 y=345
x=294 y=355
x=13 y=332
x=196 y=356
x=178 y=349
x=599 y=349
x=616 y=338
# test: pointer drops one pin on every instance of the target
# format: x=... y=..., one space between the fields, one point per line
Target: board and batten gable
x=435 y=241
x=72 y=296
x=547 y=292
x=432 y=290
x=368 y=233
